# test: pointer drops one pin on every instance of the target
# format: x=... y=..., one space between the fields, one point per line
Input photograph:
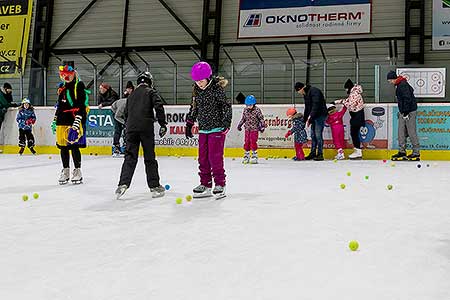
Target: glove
x=76 y=123
x=73 y=136
x=53 y=127
x=405 y=116
x=29 y=122
x=262 y=127
x=239 y=128
x=288 y=134
x=188 y=130
x=162 y=131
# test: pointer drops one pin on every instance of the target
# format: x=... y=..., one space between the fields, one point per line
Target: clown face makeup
x=66 y=73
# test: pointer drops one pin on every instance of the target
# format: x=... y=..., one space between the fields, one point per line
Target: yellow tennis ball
x=35 y=195
x=188 y=198
x=390 y=187
x=179 y=201
x=25 y=197
x=342 y=186
x=353 y=245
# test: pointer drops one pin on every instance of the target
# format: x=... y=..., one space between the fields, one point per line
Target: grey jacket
x=118 y=109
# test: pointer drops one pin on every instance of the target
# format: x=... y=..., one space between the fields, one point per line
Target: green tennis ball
x=390 y=187
x=342 y=186
x=35 y=195
x=366 y=177
x=349 y=174
x=179 y=201
x=25 y=197
x=392 y=164
x=353 y=245
x=335 y=160
x=188 y=198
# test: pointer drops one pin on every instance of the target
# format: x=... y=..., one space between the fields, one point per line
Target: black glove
x=162 y=131
x=188 y=130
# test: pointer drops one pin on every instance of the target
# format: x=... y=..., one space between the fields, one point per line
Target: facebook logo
x=254 y=20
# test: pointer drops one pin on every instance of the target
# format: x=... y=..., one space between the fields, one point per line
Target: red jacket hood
x=399 y=80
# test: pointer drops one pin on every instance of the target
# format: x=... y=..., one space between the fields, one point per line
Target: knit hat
x=291 y=111
x=129 y=85
x=201 y=70
x=7 y=86
x=299 y=85
x=331 y=109
x=250 y=100
x=348 y=84
x=391 y=75
x=26 y=100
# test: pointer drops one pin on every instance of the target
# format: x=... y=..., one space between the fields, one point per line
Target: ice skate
x=32 y=150
x=310 y=156
x=158 y=191
x=64 y=176
x=318 y=157
x=399 y=156
x=201 y=191
x=340 y=155
x=357 y=154
x=219 y=192
x=413 y=157
x=246 y=159
x=121 y=189
x=116 y=151
x=77 y=178
x=21 y=150
x=295 y=158
x=254 y=159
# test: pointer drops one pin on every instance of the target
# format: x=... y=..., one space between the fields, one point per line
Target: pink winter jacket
x=336 y=118
x=355 y=101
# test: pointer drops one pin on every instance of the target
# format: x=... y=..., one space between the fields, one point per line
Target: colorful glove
x=162 y=131
x=54 y=126
x=73 y=135
x=288 y=134
x=76 y=123
x=188 y=130
x=29 y=122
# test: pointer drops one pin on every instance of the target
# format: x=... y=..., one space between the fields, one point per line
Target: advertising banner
x=441 y=25
x=273 y=18
x=15 y=21
x=433 y=128
x=426 y=82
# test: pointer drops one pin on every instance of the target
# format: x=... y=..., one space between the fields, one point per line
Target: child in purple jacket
x=253 y=122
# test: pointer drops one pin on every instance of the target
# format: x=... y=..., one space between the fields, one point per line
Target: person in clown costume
x=69 y=123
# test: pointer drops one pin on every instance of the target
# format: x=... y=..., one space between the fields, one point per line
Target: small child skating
x=336 y=123
x=26 y=119
x=213 y=112
x=299 y=132
x=253 y=122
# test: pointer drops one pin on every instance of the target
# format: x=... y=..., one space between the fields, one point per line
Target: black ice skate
x=158 y=191
x=219 y=192
x=413 y=157
x=21 y=150
x=399 y=156
x=77 y=178
x=64 y=176
x=201 y=191
x=121 y=189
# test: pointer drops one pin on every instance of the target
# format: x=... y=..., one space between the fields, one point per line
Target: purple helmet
x=201 y=70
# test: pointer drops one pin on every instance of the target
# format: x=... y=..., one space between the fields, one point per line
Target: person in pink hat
x=211 y=109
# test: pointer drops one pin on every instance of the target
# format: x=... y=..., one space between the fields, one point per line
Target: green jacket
x=4 y=103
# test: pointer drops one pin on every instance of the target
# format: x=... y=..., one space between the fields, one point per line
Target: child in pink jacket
x=335 y=121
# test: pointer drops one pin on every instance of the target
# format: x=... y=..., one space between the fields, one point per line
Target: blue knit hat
x=250 y=100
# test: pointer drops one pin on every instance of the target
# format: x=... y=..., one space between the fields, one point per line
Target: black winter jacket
x=108 y=98
x=405 y=97
x=315 y=105
x=210 y=107
x=139 y=115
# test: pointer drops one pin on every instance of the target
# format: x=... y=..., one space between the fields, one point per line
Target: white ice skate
x=158 y=191
x=77 y=178
x=121 y=189
x=340 y=155
x=254 y=159
x=246 y=159
x=202 y=191
x=357 y=154
x=219 y=192
x=64 y=176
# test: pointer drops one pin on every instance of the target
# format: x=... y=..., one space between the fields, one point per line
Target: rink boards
x=379 y=136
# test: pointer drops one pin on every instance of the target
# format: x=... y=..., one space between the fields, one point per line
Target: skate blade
x=356 y=158
x=63 y=182
x=76 y=182
x=157 y=195
x=220 y=196
x=202 y=195
x=414 y=159
x=400 y=159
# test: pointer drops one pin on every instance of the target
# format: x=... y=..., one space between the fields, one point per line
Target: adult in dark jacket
x=315 y=115
x=139 y=120
x=6 y=101
x=407 y=107
x=128 y=89
x=106 y=95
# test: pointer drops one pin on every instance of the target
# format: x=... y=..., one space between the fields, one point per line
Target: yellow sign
x=15 y=21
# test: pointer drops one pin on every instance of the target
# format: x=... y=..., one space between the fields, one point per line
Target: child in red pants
x=336 y=124
x=212 y=110
x=299 y=132
x=253 y=122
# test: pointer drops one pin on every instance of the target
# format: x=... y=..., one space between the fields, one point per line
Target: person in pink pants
x=336 y=123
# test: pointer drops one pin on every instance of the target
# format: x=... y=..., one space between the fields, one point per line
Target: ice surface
x=282 y=232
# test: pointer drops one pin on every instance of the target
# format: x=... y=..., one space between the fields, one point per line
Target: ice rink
x=281 y=233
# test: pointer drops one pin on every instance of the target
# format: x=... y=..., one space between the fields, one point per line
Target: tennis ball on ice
x=188 y=198
x=428 y=165
x=267 y=158
x=233 y=158
x=49 y=157
x=342 y=186
x=35 y=195
x=366 y=177
x=349 y=174
x=393 y=164
x=419 y=166
x=390 y=187
x=353 y=245
x=25 y=197
x=167 y=187
x=179 y=201
x=96 y=154
x=335 y=160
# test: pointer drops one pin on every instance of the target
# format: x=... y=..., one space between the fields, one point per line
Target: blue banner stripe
x=266 y=4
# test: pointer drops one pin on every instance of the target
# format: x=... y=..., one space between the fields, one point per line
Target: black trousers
x=134 y=140
x=65 y=156
x=357 y=120
x=118 y=129
x=26 y=136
